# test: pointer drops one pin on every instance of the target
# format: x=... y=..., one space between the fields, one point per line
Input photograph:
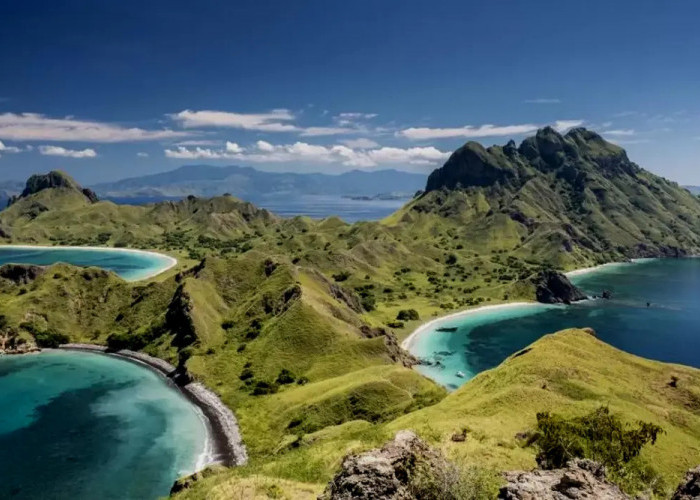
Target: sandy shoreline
x=224 y=444
x=409 y=341
x=172 y=261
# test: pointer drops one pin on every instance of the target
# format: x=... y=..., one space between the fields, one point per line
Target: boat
x=460 y=374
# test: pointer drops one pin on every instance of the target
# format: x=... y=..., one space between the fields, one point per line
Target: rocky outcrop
x=552 y=287
x=54 y=179
x=382 y=473
x=582 y=479
x=689 y=489
x=21 y=274
x=178 y=318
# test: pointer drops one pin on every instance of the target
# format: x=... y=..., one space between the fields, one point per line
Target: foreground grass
x=570 y=373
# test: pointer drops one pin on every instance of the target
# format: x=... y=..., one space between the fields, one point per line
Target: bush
x=368 y=302
x=600 y=436
x=395 y=324
x=261 y=388
x=285 y=377
x=51 y=338
x=341 y=276
x=407 y=315
x=446 y=481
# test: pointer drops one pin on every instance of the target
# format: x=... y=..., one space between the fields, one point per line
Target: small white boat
x=460 y=374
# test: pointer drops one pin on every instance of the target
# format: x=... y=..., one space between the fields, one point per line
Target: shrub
x=407 y=315
x=341 y=276
x=395 y=324
x=285 y=377
x=261 y=388
x=368 y=302
x=446 y=481
x=600 y=436
x=51 y=338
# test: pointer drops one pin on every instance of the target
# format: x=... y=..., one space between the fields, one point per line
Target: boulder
x=382 y=473
x=689 y=489
x=581 y=479
x=552 y=287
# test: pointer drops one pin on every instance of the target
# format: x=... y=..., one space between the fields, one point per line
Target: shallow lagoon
x=668 y=330
x=132 y=265
x=83 y=426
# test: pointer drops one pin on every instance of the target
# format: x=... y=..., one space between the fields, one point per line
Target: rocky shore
x=227 y=446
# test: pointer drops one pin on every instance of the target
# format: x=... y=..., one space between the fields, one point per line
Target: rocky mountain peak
x=573 y=156
x=53 y=179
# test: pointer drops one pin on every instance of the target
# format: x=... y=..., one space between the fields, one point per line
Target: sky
x=107 y=90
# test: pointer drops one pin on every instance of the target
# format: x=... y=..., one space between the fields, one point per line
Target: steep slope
x=562 y=199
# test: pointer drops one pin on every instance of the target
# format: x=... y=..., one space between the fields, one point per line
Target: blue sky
x=107 y=90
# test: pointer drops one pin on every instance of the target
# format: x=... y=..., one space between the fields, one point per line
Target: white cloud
x=360 y=143
x=302 y=152
x=33 y=127
x=8 y=149
x=543 y=100
x=275 y=121
x=185 y=153
x=421 y=133
x=68 y=153
x=232 y=147
x=619 y=132
x=141 y=154
x=564 y=125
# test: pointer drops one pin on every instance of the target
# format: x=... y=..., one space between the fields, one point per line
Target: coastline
x=172 y=261
x=224 y=444
x=409 y=341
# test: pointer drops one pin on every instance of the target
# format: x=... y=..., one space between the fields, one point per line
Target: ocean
x=668 y=329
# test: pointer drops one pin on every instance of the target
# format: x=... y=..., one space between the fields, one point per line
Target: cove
x=83 y=426
x=668 y=330
x=131 y=265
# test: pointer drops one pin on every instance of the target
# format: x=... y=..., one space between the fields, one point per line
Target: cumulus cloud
x=564 y=125
x=8 y=149
x=277 y=120
x=34 y=127
x=320 y=131
x=141 y=154
x=68 y=153
x=199 y=142
x=302 y=152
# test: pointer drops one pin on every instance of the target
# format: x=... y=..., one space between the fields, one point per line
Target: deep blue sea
x=667 y=330
x=89 y=426
x=129 y=265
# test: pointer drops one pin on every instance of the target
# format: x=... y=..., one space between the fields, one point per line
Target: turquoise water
x=129 y=265
x=85 y=426
x=667 y=330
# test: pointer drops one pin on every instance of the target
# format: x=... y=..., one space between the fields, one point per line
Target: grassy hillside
x=570 y=373
x=295 y=323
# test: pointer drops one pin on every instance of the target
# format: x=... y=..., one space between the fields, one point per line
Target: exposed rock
x=581 y=479
x=552 y=287
x=349 y=298
x=382 y=473
x=689 y=489
x=21 y=274
x=607 y=295
x=178 y=318
x=54 y=179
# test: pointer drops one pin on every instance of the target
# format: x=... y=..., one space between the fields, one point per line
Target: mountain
x=251 y=184
x=55 y=179
x=693 y=189
x=564 y=199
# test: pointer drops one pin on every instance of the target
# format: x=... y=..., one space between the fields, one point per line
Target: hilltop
x=296 y=323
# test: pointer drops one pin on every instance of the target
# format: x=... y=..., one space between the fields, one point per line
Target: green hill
x=295 y=323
